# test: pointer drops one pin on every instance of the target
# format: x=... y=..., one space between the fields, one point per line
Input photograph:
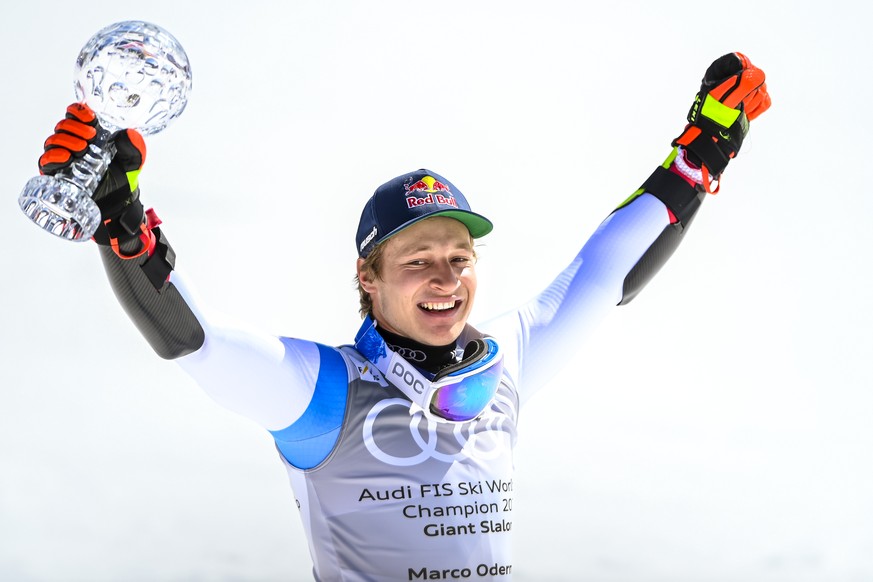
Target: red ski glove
x=117 y=196
x=732 y=93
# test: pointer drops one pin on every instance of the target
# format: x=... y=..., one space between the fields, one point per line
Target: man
x=399 y=445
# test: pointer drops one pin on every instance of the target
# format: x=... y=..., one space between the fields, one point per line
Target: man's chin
x=428 y=329
x=439 y=335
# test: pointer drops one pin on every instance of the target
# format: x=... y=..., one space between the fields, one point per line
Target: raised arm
x=637 y=239
x=136 y=254
x=268 y=379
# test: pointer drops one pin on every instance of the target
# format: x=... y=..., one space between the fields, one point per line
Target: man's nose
x=445 y=276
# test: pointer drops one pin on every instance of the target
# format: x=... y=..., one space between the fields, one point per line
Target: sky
x=715 y=429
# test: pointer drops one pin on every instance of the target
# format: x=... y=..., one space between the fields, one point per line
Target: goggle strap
x=400 y=373
x=406 y=378
x=475 y=350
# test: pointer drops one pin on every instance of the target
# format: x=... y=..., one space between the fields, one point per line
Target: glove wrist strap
x=686 y=169
x=160 y=259
x=713 y=136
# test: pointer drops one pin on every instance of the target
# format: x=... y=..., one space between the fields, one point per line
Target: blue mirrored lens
x=468 y=397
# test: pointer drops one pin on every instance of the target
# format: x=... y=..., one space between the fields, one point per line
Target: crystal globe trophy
x=132 y=74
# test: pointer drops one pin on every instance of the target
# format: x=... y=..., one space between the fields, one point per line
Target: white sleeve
x=265 y=378
x=539 y=338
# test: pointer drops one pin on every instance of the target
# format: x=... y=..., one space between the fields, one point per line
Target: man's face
x=427 y=281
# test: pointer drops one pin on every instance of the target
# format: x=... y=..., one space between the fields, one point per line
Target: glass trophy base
x=60 y=207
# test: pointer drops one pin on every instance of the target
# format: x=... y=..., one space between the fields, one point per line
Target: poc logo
x=400 y=372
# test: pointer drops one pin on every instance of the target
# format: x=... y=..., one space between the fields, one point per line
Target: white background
x=717 y=428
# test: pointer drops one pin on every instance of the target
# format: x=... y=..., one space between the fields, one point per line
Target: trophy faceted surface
x=132 y=74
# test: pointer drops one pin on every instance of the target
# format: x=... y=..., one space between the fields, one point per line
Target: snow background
x=716 y=429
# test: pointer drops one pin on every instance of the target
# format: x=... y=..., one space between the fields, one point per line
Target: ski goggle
x=458 y=393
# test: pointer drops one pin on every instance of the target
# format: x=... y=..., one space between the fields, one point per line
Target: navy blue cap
x=405 y=200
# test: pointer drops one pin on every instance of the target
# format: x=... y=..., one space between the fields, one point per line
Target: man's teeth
x=438 y=306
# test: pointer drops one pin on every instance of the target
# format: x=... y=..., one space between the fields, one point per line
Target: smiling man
x=399 y=445
x=422 y=280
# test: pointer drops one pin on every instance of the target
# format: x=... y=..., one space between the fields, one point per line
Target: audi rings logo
x=409 y=353
x=486 y=438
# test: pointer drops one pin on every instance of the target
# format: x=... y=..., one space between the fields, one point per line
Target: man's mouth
x=435 y=306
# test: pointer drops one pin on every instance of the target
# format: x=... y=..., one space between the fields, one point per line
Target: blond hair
x=373 y=265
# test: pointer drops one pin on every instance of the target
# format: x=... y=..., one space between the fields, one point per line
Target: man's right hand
x=117 y=196
x=71 y=139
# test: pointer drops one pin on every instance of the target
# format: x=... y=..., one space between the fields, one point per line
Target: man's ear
x=365 y=277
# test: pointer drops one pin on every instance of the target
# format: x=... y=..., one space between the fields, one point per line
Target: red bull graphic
x=433 y=192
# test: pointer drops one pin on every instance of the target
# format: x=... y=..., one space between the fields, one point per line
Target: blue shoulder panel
x=309 y=441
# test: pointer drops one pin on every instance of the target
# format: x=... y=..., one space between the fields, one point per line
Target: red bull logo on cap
x=433 y=192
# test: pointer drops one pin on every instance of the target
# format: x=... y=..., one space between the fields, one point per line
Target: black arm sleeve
x=154 y=305
x=684 y=201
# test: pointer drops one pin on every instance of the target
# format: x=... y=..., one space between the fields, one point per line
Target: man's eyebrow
x=420 y=247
